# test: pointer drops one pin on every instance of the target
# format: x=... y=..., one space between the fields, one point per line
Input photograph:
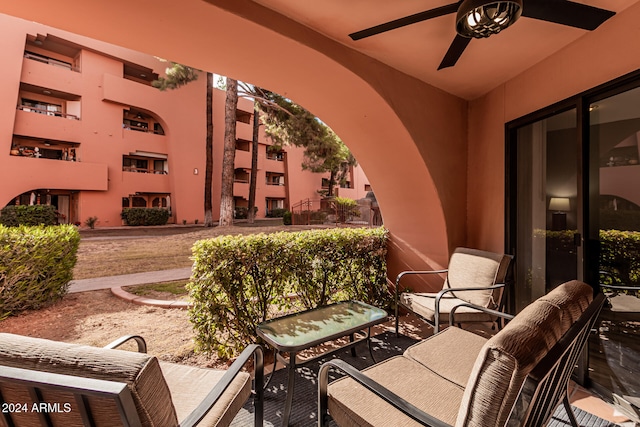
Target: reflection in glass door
x=548 y=219
x=614 y=139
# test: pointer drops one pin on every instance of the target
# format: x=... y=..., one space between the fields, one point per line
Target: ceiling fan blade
x=407 y=20
x=566 y=13
x=458 y=46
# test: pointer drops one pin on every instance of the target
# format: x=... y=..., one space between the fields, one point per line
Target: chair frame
x=544 y=389
x=441 y=294
x=36 y=381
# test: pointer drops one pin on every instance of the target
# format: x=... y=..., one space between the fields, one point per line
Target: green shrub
x=240 y=281
x=620 y=257
x=15 y=215
x=145 y=216
x=286 y=218
x=36 y=265
x=276 y=213
x=241 y=212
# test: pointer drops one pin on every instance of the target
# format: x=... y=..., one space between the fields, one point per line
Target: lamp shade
x=560 y=204
x=483 y=18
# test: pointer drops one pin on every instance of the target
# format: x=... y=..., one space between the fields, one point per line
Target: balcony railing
x=143 y=170
x=50 y=61
x=30 y=109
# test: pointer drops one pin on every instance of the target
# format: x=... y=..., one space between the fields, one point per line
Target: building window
x=41 y=107
x=275 y=155
x=274 y=178
x=243 y=145
x=138 y=202
x=367 y=187
x=243 y=116
x=142 y=165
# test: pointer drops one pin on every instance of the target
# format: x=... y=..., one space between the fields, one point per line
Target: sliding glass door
x=614 y=137
x=573 y=201
x=547 y=206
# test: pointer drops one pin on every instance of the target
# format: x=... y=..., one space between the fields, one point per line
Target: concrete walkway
x=116 y=283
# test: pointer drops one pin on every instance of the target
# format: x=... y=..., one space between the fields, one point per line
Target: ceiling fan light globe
x=483 y=18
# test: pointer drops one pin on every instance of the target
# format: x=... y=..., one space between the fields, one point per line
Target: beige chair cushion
x=476 y=268
x=350 y=404
x=508 y=357
x=424 y=305
x=140 y=372
x=449 y=354
x=189 y=385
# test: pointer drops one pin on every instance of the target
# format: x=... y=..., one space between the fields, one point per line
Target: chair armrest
x=142 y=345
x=443 y=292
x=381 y=391
x=409 y=272
x=207 y=403
x=479 y=308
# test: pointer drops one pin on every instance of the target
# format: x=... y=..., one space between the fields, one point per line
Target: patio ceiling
x=418 y=49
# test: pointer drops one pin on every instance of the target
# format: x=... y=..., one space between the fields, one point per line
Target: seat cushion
x=424 y=305
x=350 y=404
x=139 y=371
x=476 y=268
x=508 y=357
x=450 y=354
x=189 y=385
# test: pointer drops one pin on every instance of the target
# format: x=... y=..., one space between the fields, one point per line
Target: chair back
x=477 y=268
x=81 y=385
x=521 y=374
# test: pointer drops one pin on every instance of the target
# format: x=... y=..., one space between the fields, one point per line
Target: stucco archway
x=409 y=137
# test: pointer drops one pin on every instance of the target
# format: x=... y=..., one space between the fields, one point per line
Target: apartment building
x=82 y=129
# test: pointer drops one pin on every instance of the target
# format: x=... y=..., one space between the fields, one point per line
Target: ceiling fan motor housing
x=483 y=18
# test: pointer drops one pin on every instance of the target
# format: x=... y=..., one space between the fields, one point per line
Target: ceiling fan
x=483 y=18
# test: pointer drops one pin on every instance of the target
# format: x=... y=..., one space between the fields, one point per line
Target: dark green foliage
x=15 y=215
x=145 y=216
x=240 y=281
x=36 y=265
x=286 y=218
x=276 y=213
x=242 y=212
x=620 y=257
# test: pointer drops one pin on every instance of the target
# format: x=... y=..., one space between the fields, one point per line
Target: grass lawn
x=126 y=251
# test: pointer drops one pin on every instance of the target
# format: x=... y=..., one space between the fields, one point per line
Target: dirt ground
x=96 y=318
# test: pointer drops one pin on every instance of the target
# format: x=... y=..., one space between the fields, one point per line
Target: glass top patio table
x=306 y=329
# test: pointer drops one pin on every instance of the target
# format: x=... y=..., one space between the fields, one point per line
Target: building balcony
x=59 y=127
x=144 y=141
x=614 y=181
x=243 y=159
x=244 y=131
x=241 y=189
x=37 y=172
x=146 y=182
x=38 y=73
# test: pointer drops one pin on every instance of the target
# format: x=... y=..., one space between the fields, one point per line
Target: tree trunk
x=254 y=164
x=208 y=176
x=228 y=159
x=332 y=183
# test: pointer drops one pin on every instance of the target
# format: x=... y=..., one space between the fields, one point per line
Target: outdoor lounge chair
x=473 y=276
x=49 y=383
x=518 y=377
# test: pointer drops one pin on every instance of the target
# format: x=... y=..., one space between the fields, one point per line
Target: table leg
x=369 y=344
x=291 y=374
x=352 y=338
x=273 y=371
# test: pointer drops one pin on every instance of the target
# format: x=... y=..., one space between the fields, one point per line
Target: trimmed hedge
x=145 y=216
x=241 y=281
x=16 y=215
x=36 y=265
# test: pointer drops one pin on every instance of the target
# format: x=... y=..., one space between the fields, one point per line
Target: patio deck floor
x=589 y=409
